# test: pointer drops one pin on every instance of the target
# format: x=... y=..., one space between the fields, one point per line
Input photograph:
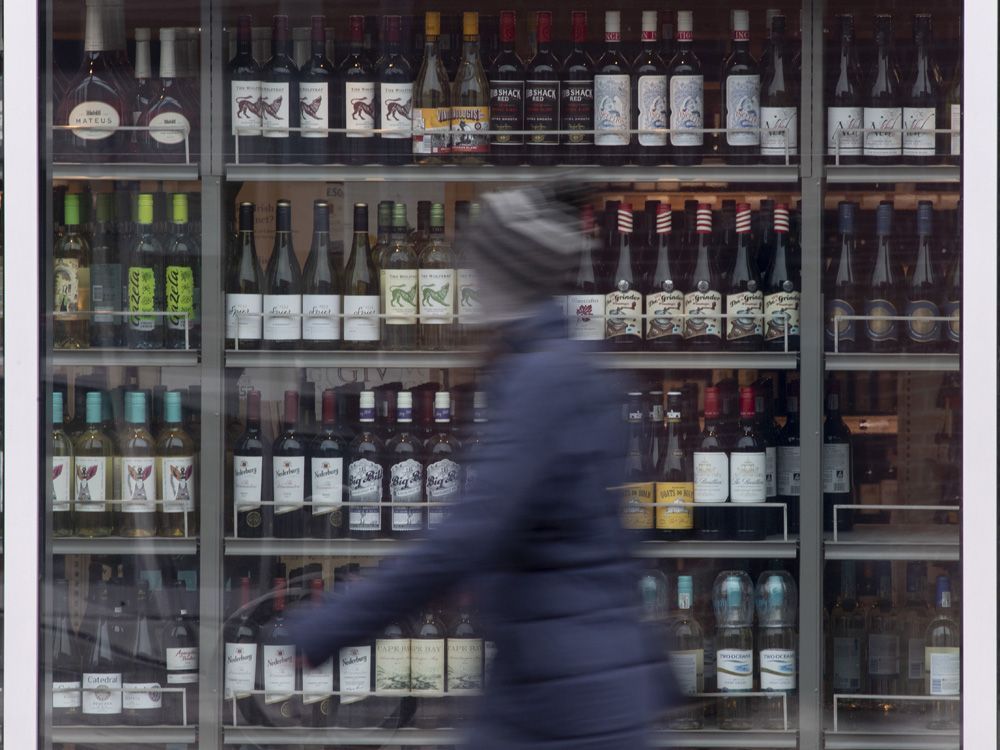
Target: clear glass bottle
x=883 y=643
x=732 y=598
x=431 y=98
x=777 y=603
x=437 y=282
x=470 y=99
x=464 y=657
x=138 y=469
x=427 y=665
x=943 y=660
x=93 y=481
x=687 y=657
x=61 y=487
x=914 y=618
x=176 y=457
x=398 y=281
x=849 y=640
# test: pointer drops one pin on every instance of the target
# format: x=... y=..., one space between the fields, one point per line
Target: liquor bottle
x=703 y=300
x=711 y=472
x=443 y=475
x=437 y=282
x=60 y=488
x=361 y=289
x=102 y=669
x=576 y=106
x=470 y=99
x=623 y=300
x=93 y=103
x=318 y=703
x=612 y=96
x=240 y=639
x=790 y=459
x=316 y=84
x=427 y=671
x=404 y=460
x=744 y=296
x=183 y=328
x=687 y=96
x=923 y=289
x=777 y=603
x=882 y=296
x=837 y=481
x=769 y=433
x=245 y=113
x=71 y=271
x=93 y=491
x=276 y=667
x=321 y=286
x=779 y=102
x=914 y=618
x=252 y=518
x=664 y=297
x=883 y=643
x=65 y=661
x=395 y=97
x=326 y=474
x=747 y=472
x=282 y=298
x=288 y=475
x=145 y=281
x=741 y=96
x=921 y=97
x=464 y=657
x=585 y=303
x=883 y=113
x=674 y=476
x=357 y=99
x=171 y=110
x=244 y=287
x=686 y=653
x=138 y=465
x=506 y=81
x=142 y=701
x=176 y=475
x=943 y=659
x=845 y=117
x=106 y=327
x=649 y=96
x=542 y=96
x=431 y=99
x=732 y=598
x=398 y=282
x=782 y=288
x=280 y=96
x=843 y=295
x=365 y=475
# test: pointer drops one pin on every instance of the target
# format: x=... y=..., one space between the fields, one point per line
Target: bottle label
x=392 y=665
x=781 y=310
x=180 y=297
x=777 y=669
x=396 y=104
x=142 y=298
x=355 y=673
x=618 y=322
x=72 y=288
x=705 y=308
x=915 y=658
x=443 y=484
x=65 y=695
x=243 y=319
x=317 y=682
x=742 y=94
x=836 y=468
x=102 y=120
x=664 y=305
x=506 y=111
x=176 y=126
x=952 y=309
x=674 y=517
x=687 y=110
x=279 y=672
x=878 y=327
x=327 y=484
x=247 y=107
x=922 y=119
x=247 y=474
x=399 y=294
x=138 y=484
x=789 y=470
x=884 y=136
x=577 y=111
x=774 y=144
x=612 y=109
x=289 y=483
x=60 y=495
x=102 y=693
x=746 y=310
x=711 y=477
x=241 y=669
x=689 y=669
x=281 y=317
x=541 y=110
x=91 y=484
x=956 y=129
x=918 y=328
x=359 y=113
x=106 y=291
x=321 y=321
x=406 y=482
x=844 y=124
x=465 y=666
x=427 y=665
x=734 y=669
x=435 y=122
x=944 y=664
x=361 y=318
x=771 y=469
x=469 y=306
x=747 y=483
x=637 y=505
x=846 y=665
x=314 y=108
x=178 y=483
x=586 y=317
x=844 y=329
x=883 y=655
x=275 y=100
x=365 y=485
x=182 y=660
x=466 y=123
x=437 y=295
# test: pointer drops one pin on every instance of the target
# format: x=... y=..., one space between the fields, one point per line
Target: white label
x=612 y=109
x=178 y=483
x=651 y=93
x=365 y=486
x=945 y=670
x=915 y=658
x=618 y=306
x=586 y=317
x=279 y=672
x=883 y=654
x=469 y=306
x=840 y=122
x=289 y=476
x=437 y=295
x=90 y=483
x=355 y=672
x=246 y=105
x=274 y=108
x=327 y=484
x=689 y=669
x=399 y=296
x=359 y=101
x=734 y=669
x=711 y=477
x=184 y=660
x=241 y=669
x=361 y=318
x=443 y=483
x=465 y=666
x=836 y=468
x=781 y=309
x=281 y=317
x=406 y=483
x=771 y=470
x=704 y=307
x=773 y=144
x=65 y=695
x=243 y=319
x=314 y=107
x=789 y=470
x=61 y=469
x=95 y=115
x=742 y=109
x=777 y=669
x=887 y=138
x=392 y=664
x=101 y=693
x=665 y=306
x=322 y=317
x=317 y=682
x=247 y=475
x=396 y=101
x=687 y=110
x=846 y=665
x=924 y=120
x=747 y=483
x=138 y=484
x=745 y=310
x=142 y=696
x=180 y=128
x=956 y=127
x=427 y=665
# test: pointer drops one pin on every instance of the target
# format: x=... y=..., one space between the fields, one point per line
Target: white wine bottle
x=175 y=471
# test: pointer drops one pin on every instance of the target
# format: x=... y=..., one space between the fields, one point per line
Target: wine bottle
x=943 y=659
x=65 y=661
x=315 y=103
x=541 y=96
x=176 y=475
x=181 y=259
x=321 y=286
x=764 y=236
x=365 y=475
x=951 y=143
x=252 y=518
x=845 y=117
x=245 y=98
x=443 y=476
x=138 y=466
x=623 y=300
x=464 y=658
x=106 y=327
x=60 y=490
x=102 y=670
x=93 y=491
x=741 y=96
x=848 y=626
x=431 y=98
x=398 y=282
x=686 y=653
x=395 y=80
x=638 y=487
x=779 y=102
x=427 y=665
x=585 y=303
x=674 y=476
x=145 y=89
x=280 y=96
x=883 y=113
x=404 y=458
x=843 y=295
x=649 y=96
x=506 y=81
x=744 y=296
x=244 y=287
x=361 y=289
x=923 y=289
x=882 y=297
x=171 y=118
x=782 y=288
x=437 y=282
x=470 y=99
x=921 y=99
x=282 y=299
x=277 y=673
x=703 y=300
x=748 y=472
x=145 y=281
x=240 y=638
x=318 y=704
x=726 y=238
x=358 y=99
x=837 y=475
x=288 y=475
x=576 y=106
x=326 y=474
x=71 y=271
x=732 y=598
x=142 y=700
x=790 y=459
x=664 y=298
x=384 y=221
x=777 y=601
x=711 y=472
x=612 y=96
x=687 y=96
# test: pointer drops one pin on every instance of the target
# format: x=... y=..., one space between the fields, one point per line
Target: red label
x=741 y=35
x=649 y=36
x=612 y=36
x=685 y=36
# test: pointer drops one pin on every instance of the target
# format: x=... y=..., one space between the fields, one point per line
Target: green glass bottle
x=93 y=481
x=437 y=287
x=138 y=483
x=145 y=281
x=398 y=266
x=62 y=470
x=176 y=472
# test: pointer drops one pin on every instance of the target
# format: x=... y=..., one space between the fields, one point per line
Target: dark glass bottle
x=612 y=96
x=326 y=474
x=687 y=96
x=744 y=296
x=506 y=77
x=145 y=281
x=106 y=330
x=782 y=288
x=279 y=102
x=837 y=464
x=764 y=236
x=173 y=108
x=923 y=291
x=585 y=302
x=623 y=300
x=711 y=472
x=882 y=295
x=883 y=113
x=277 y=671
x=361 y=289
x=321 y=286
x=649 y=96
x=442 y=455
x=674 y=475
x=180 y=649
x=143 y=704
x=768 y=430
x=427 y=665
x=576 y=107
x=703 y=297
x=664 y=297
x=395 y=97
x=541 y=96
x=244 y=116
x=365 y=475
x=249 y=487
x=844 y=115
x=790 y=459
x=288 y=473
x=726 y=239
x=357 y=100
x=741 y=96
x=639 y=487
x=241 y=654
x=779 y=102
x=404 y=459
x=319 y=705
x=843 y=293
x=283 y=287
x=65 y=662
x=748 y=472
x=316 y=84
x=922 y=110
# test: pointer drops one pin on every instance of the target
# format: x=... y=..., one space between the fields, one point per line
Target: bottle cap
x=399 y=216
x=357 y=25
x=612 y=26
x=712 y=402
x=925 y=218
x=366 y=406
x=442 y=406
x=703 y=221
x=57 y=407
x=144 y=34
x=883 y=218
x=625 y=218
x=168 y=35
x=664 y=219
x=437 y=215
x=94 y=407
x=742 y=218
x=253 y=406
x=283 y=216
x=845 y=217
x=543 y=27
x=172 y=407
x=180 y=205
x=777 y=25
x=470 y=23
x=741 y=25
x=135 y=407
x=246 y=217
x=432 y=23
x=393 y=25
x=847 y=26
x=781 y=218
x=321 y=216
x=279 y=29
x=71 y=208
x=747 y=403
x=579 y=26
x=685 y=25
x=361 y=217
x=291 y=407
x=649 y=23
x=404 y=406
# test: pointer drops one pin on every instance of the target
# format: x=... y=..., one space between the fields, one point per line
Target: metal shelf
x=895 y=542
x=716 y=738
x=314 y=547
x=869 y=174
x=122 y=735
x=126 y=357
x=157 y=172
x=698 y=360
x=862 y=361
x=774 y=547
x=333 y=737
x=117 y=545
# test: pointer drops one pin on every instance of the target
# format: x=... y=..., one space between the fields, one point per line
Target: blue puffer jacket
x=541 y=545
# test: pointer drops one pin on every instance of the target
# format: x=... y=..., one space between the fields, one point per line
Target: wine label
x=364 y=486
x=106 y=291
x=327 y=476
x=777 y=669
x=443 y=483
x=747 y=483
x=177 y=483
x=465 y=666
x=637 y=505
x=689 y=668
x=275 y=100
x=436 y=124
x=922 y=119
x=142 y=696
x=836 y=468
x=180 y=297
x=248 y=473
x=734 y=669
x=243 y=318
x=918 y=328
x=355 y=672
x=687 y=110
x=314 y=108
x=100 y=120
x=878 y=327
x=541 y=110
x=361 y=318
x=612 y=109
x=469 y=307
x=321 y=321
x=665 y=306
x=883 y=654
x=317 y=682
x=359 y=104
x=781 y=311
x=392 y=665
x=466 y=123
x=241 y=669
x=142 y=298
x=183 y=663
x=944 y=670
x=617 y=306
x=771 y=470
x=711 y=477
x=427 y=665
x=399 y=296
x=789 y=470
x=60 y=491
x=742 y=100
x=955 y=117
x=952 y=329
x=281 y=317
x=279 y=672
x=915 y=658
x=844 y=124
x=884 y=137
x=844 y=329
x=406 y=482
x=704 y=305
x=176 y=128
x=65 y=695
x=396 y=101
x=437 y=295
x=746 y=311
x=289 y=478
x=586 y=316
x=674 y=517
x=846 y=665
x=506 y=111
x=576 y=112
x=246 y=102
x=91 y=483
x=778 y=144
x=102 y=693
x=138 y=484
x=72 y=288
x=651 y=99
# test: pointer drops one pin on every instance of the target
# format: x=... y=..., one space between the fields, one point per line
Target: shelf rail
x=184 y=130
x=123 y=690
x=783 y=507
x=840 y=133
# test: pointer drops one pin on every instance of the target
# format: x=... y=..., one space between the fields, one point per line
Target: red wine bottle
x=687 y=96
x=395 y=98
x=326 y=474
x=240 y=638
x=623 y=300
x=249 y=488
x=711 y=472
x=741 y=96
x=703 y=298
x=612 y=96
x=576 y=107
x=744 y=296
x=357 y=100
x=244 y=113
x=649 y=96
x=541 y=96
x=837 y=485
x=277 y=672
x=506 y=77
x=288 y=473
x=315 y=97
x=280 y=96
x=748 y=472
x=790 y=459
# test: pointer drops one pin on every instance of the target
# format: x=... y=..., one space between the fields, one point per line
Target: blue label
x=404 y=414
x=442 y=415
x=365 y=413
x=952 y=309
x=845 y=328
x=919 y=329
x=878 y=329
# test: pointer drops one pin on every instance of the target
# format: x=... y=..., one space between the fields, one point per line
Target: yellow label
x=637 y=506
x=469 y=125
x=676 y=518
x=432 y=23
x=434 y=118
